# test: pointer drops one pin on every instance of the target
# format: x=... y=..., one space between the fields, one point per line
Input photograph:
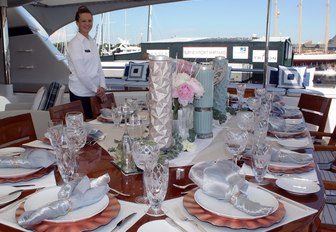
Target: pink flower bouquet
x=186 y=87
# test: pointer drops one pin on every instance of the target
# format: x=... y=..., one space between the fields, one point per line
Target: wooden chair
x=59 y=111
x=96 y=104
x=315 y=109
x=16 y=130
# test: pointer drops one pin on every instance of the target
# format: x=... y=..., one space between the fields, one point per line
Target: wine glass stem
x=144 y=186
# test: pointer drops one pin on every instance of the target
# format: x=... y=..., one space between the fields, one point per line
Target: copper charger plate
x=202 y=214
x=100 y=219
x=306 y=168
x=38 y=174
x=278 y=134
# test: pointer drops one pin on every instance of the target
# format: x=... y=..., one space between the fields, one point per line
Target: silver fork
x=120 y=193
x=183 y=186
x=182 y=217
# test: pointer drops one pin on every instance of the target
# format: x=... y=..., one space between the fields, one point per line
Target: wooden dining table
x=95 y=161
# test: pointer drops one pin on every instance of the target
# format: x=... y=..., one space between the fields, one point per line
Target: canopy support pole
x=267 y=41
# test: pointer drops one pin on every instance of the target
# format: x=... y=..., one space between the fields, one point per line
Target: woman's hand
x=101 y=94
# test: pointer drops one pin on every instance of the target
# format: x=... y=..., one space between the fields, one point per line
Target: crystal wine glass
x=260 y=162
x=117 y=116
x=240 y=93
x=156 y=175
x=245 y=121
x=74 y=119
x=235 y=141
x=142 y=152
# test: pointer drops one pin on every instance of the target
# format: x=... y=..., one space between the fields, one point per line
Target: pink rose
x=185 y=94
x=197 y=87
x=179 y=79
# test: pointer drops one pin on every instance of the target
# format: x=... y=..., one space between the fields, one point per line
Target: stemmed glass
x=144 y=151
x=65 y=152
x=254 y=103
x=117 y=116
x=240 y=93
x=74 y=119
x=135 y=126
x=260 y=93
x=156 y=175
x=245 y=121
x=260 y=162
x=235 y=141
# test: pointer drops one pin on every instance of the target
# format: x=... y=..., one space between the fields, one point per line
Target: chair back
x=16 y=130
x=315 y=109
x=59 y=111
x=97 y=104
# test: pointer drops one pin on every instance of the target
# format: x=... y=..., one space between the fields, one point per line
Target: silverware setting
x=173 y=223
x=119 y=193
x=23 y=185
x=184 y=186
x=183 y=217
x=11 y=193
x=122 y=222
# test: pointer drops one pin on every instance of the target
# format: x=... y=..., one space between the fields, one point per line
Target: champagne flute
x=144 y=151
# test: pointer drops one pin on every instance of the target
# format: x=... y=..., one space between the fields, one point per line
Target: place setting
x=224 y=198
x=79 y=205
x=29 y=165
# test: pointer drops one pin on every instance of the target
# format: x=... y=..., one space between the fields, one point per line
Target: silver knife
x=122 y=222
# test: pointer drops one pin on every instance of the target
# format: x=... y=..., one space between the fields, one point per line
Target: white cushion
x=137 y=71
x=40 y=99
x=291 y=77
x=297 y=92
x=309 y=77
x=59 y=97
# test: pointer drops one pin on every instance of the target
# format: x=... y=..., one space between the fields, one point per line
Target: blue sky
x=220 y=18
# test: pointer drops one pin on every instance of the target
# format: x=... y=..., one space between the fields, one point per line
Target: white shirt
x=85 y=67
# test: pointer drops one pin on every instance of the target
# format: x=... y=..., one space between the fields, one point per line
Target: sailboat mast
x=276 y=14
x=300 y=27
x=149 y=26
x=327 y=28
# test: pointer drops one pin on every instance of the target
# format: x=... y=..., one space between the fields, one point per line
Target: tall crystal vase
x=203 y=114
x=221 y=81
x=160 y=101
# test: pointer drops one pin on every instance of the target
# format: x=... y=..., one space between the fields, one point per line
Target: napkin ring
x=234 y=198
x=70 y=206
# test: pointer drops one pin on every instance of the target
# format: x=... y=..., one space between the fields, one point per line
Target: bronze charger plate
x=203 y=215
x=100 y=219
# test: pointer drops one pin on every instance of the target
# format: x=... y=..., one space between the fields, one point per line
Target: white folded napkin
x=221 y=180
x=290 y=157
x=32 y=158
x=82 y=194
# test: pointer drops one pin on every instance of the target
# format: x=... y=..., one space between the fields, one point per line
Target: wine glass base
x=141 y=200
x=156 y=213
x=263 y=182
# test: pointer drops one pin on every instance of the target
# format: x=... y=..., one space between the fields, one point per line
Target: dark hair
x=81 y=9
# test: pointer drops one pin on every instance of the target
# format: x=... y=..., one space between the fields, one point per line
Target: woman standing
x=86 y=78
